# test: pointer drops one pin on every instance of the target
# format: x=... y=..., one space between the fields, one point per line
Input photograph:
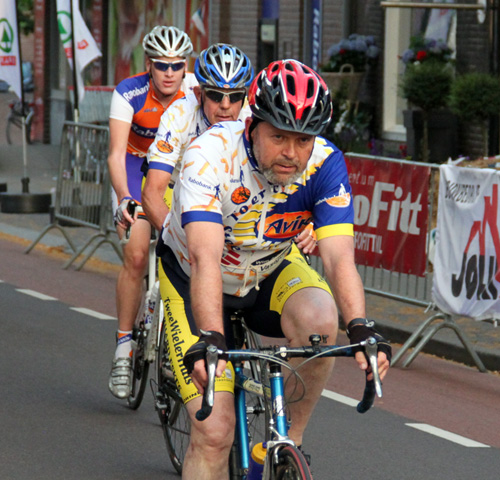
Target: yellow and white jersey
x=181 y=123
x=220 y=182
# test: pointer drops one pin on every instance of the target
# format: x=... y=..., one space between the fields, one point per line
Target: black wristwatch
x=359 y=321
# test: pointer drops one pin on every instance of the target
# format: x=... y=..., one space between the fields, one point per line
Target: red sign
x=8 y=60
x=391 y=213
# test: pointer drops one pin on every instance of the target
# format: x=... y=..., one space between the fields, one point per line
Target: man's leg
x=207 y=457
x=128 y=299
x=307 y=311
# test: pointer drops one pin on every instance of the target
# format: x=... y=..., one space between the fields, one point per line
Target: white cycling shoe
x=120 y=378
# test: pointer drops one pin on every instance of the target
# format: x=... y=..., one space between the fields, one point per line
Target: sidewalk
x=395 y=320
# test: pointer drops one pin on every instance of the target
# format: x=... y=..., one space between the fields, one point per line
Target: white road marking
x=32 y=293
x=340 y=398
x=452 y=437
x=93 y=313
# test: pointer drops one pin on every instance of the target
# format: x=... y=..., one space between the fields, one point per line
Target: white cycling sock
x=124 y=344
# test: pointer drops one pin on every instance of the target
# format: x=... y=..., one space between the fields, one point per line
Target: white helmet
x=167 y=42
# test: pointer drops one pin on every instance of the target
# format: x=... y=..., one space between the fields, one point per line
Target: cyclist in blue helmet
x=223 y=66
x=223 y=72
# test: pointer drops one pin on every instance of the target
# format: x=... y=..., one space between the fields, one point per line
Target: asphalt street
x=437 y=419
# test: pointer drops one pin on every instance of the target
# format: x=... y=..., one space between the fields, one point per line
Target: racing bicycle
x=145 y=335
x=260 y=407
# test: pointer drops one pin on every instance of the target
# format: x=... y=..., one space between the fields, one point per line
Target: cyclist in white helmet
x=136 y=108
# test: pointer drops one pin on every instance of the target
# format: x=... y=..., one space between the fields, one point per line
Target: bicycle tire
x=8 y=130
x=173 y=414
x=15 y=120
x=140 y=367
x=290 y=465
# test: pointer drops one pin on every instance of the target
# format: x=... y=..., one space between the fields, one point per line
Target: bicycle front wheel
x=291 y=465
x=171 y=409
x=140 y=369
x=140 y=365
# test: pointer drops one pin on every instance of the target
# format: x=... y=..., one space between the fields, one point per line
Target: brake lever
x=212 y=357
x=371 y=353
x=131 y=211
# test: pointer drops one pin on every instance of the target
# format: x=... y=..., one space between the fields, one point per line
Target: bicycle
x=171 y=410
x=259 y=402
x=15 y=119
x=145 y=335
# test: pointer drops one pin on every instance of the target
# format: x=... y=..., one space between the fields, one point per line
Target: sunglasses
x=162 y=66
x=217 y=96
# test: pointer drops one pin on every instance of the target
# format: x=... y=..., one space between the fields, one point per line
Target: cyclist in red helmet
x=244 y=192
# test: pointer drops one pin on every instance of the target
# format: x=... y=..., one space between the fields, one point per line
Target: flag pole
x=73 y=49
x=25 y=179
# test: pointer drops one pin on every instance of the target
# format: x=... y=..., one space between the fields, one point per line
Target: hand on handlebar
x=359 y=330
x=125 y=214
x=195 y=358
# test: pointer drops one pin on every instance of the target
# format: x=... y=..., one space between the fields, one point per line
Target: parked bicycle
x=145 y=335
x=15 y=119
x=260 y=407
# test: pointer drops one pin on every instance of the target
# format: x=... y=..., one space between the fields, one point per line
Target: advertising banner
x=391 y=213
x=467 y=278
x=86 y=47
x=10 y=62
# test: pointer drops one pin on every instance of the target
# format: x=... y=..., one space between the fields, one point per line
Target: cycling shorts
x=262 y=311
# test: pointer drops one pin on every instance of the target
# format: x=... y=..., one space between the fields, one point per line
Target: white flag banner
x=10 y=59
x=86 y=47
x=466 y=274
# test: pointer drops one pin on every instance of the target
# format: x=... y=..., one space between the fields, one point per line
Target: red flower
x=421 y=55
x=342 y=51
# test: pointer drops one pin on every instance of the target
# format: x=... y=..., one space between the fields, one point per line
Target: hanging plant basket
x=346 y=78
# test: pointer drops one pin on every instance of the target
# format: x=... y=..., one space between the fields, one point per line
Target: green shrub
x=475 y=97
x=427 y=85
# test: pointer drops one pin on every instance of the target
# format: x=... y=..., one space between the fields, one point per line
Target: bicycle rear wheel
x=12 y=124
x=291 y=465
x=173 y=414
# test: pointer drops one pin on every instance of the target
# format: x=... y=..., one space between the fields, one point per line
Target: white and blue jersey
x=220 y=182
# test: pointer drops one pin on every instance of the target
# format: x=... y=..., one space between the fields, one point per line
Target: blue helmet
x=223 y=66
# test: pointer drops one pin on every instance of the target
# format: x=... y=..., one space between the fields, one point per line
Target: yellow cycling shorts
x=262 y=311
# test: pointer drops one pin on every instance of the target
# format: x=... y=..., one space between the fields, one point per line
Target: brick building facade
x=237 y=22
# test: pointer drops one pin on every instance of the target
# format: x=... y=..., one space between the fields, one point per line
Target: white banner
x=10 y=61
x=86 y=47
x=466 y=273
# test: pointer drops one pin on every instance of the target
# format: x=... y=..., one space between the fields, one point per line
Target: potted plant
x=426 y=84
x=347 y=62
x=475 y=97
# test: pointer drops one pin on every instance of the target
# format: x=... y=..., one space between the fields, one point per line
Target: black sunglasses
x=164 y=66
x=217 y=96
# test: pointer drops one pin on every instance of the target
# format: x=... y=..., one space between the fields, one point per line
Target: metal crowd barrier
x=407 y=287
x=83 y=190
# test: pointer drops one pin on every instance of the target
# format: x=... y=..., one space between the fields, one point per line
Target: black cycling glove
x=198 y=351
x=360 y=329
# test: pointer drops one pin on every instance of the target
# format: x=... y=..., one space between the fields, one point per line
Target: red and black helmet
x=291 y=96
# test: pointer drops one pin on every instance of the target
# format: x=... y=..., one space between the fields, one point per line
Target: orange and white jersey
x=134 y=102
x=183 y=121
x=220 y=182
